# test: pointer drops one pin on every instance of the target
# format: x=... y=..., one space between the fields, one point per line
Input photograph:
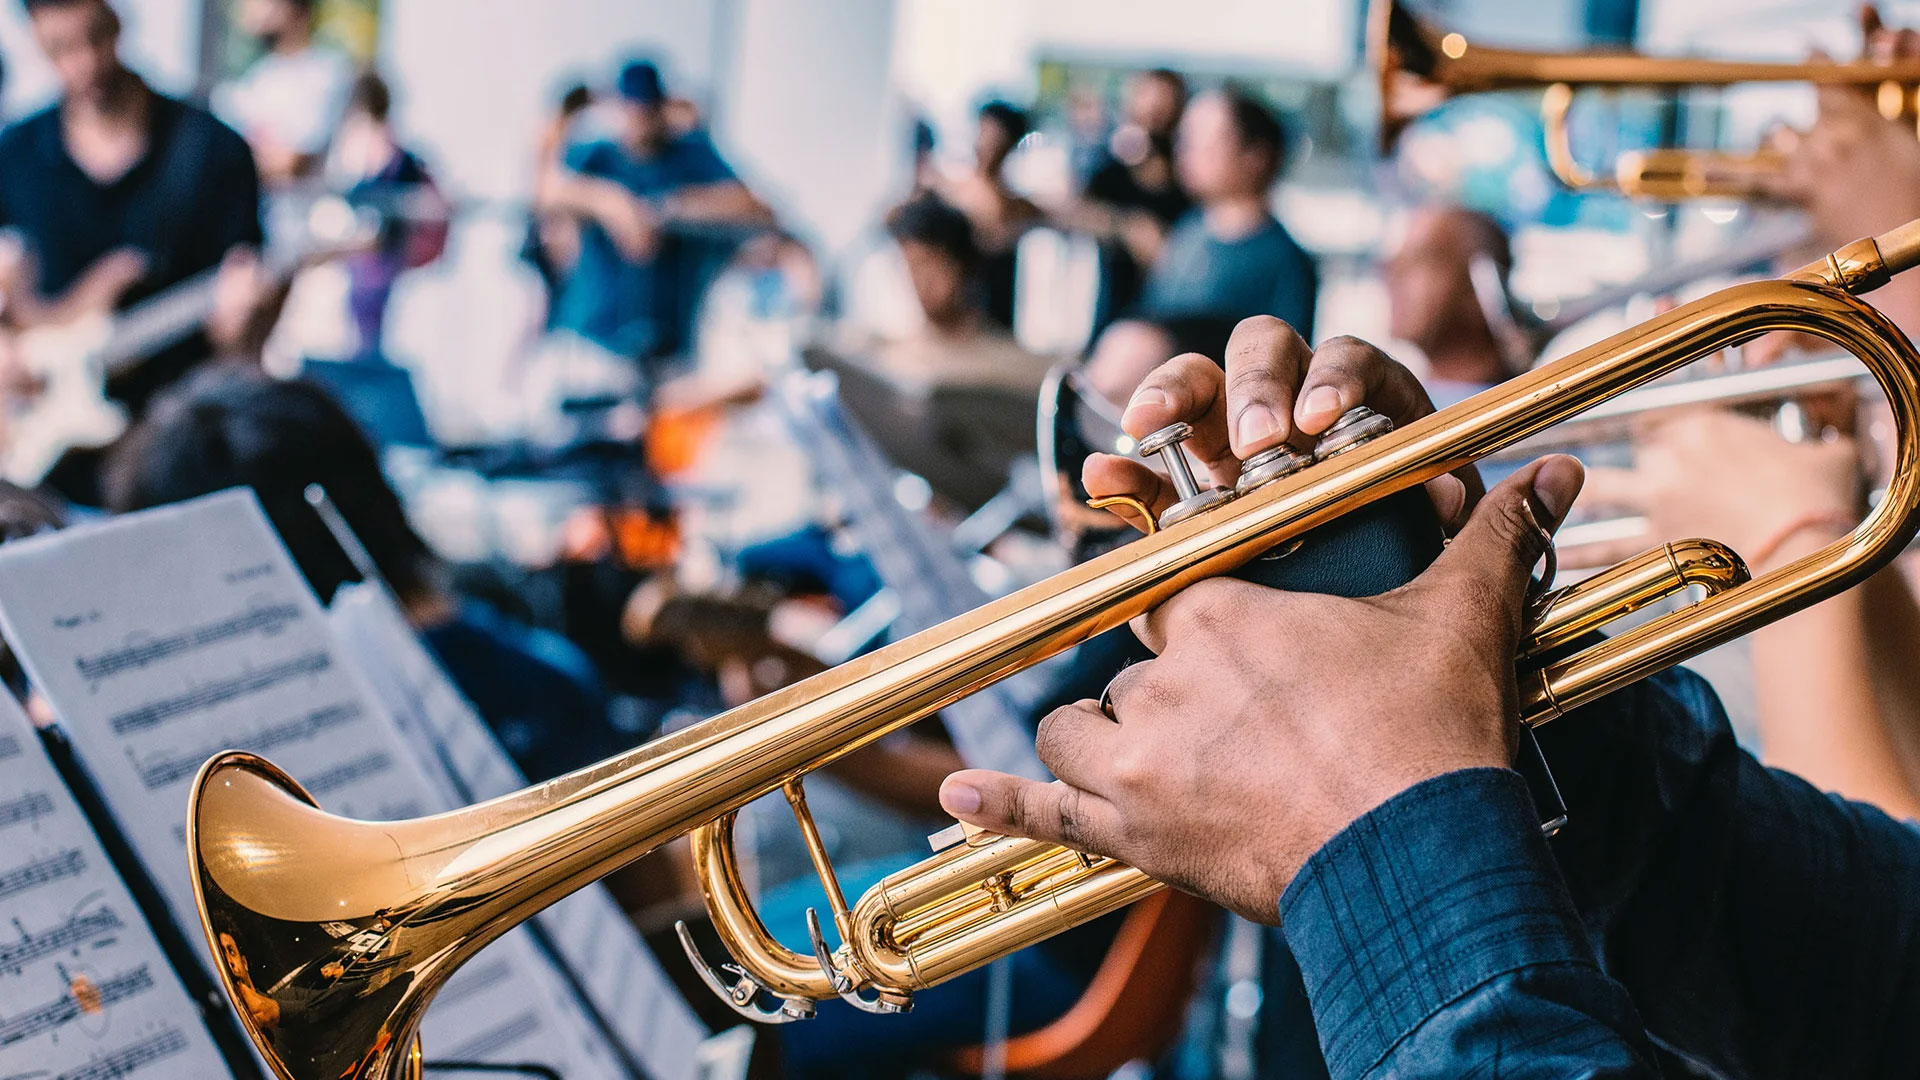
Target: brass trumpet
x=1420 y=66
x=348 y=928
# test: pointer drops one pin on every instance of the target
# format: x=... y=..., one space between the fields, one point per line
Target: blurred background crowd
x=548 y=296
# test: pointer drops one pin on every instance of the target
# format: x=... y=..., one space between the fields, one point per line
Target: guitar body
x=72 y=412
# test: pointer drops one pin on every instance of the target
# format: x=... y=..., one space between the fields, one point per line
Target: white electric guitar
x=73 y=361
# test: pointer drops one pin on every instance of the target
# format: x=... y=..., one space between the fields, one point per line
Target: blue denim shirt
x=1698 y=908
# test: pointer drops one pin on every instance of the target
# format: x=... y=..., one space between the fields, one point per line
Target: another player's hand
x=1730 y=478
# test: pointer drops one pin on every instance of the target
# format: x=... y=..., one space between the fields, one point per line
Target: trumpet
x=1772 y=388
x=1420 y=66
x=350 y=927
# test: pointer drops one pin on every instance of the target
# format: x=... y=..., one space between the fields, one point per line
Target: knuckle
x=1047 y=739
x=1513 y=523
x=1070 y=811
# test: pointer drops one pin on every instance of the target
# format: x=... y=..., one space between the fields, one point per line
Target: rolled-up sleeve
x=1436 y=938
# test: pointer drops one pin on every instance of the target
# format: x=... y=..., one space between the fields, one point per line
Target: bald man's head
x=1430 y=284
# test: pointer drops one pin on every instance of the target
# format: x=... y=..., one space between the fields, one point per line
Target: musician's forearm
x=717 y=204
x=1893 y=625
x=1814 y=685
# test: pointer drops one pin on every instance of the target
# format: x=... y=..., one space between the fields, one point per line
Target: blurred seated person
x=1231 y=258
x=1133 y=196
x=1434 y=304
x=289 y=101
x=957 y=344
x=538 y=693
x=117 y=192
x=628 y=193
x=378 y=174
x=1000 y=216
x=553 y=239
x=1837 y=693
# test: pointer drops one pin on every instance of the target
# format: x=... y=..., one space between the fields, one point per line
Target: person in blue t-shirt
x=1230 y=258
x=629 y=194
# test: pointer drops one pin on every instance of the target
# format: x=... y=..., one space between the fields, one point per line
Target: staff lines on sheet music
x=220 y=691
x=268 y=619
x=162 y=769
x=63 y=864
x=77 y=930
x=119 y=1063
x=347 y=772
x=32 y=806
x=66 y=1008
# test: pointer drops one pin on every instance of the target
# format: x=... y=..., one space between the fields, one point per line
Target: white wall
x=810 y=117
x=161 y=40
x=474 y=79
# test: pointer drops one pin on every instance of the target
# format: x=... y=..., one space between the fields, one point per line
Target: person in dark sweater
x=1133 y=197
x=1231 y=258
x=119 y=192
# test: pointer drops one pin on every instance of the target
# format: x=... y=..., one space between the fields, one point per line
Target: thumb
x=1057 y=813
x=1494 y=554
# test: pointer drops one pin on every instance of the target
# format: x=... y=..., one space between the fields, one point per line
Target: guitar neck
x=153 y=325
x=175 y=313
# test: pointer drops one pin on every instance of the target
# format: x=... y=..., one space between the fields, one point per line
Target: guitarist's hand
x=94 y=294
x=246 y=304
x=17 y=381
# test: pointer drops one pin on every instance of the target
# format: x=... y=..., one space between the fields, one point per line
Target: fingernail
x=1449 y=498
x=1149 y=396
x=1555 y=486
x=960 y=798
x=1323 y=400
x=1257 y=423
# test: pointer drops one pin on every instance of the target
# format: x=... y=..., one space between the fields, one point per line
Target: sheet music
x=166 y=636
x=84 y=989
x=592 y=934
x=917 y=565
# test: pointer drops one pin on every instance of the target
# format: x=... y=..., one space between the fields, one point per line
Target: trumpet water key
x=332 y=935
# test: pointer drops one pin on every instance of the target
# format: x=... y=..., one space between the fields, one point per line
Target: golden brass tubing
x=778 y=968
x=1565 y=615
x=1446 y=64
x=332 y=935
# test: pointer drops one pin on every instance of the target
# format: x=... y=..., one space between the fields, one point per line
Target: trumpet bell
x=275 y=928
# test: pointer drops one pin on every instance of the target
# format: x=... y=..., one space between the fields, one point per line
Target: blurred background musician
x=1434 y=305
x=959 y=342
x=120 y=192
x=373 y=171
x=289 y=102
x=1000 y=215
x=1133 y=195
x=627 y=192
x=1230 y=258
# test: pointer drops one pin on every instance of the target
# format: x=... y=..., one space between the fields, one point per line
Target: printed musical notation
x=163 y=1047
x=85 y=990
x=163 y=637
